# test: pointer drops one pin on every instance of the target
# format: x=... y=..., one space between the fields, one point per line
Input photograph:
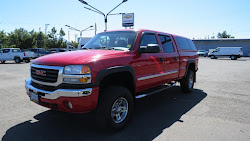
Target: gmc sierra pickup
x=113 y=69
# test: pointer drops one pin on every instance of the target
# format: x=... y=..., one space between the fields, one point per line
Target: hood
x=75 y=57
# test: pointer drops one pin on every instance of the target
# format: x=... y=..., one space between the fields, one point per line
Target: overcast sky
x=189 y=18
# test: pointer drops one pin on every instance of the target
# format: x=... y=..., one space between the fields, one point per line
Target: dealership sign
x=128 y=19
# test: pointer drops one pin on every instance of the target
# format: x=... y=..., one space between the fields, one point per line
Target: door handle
x=161 y=59
x=175 y=58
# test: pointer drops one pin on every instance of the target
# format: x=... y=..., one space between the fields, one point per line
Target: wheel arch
x=117 y=76
x=191 y=66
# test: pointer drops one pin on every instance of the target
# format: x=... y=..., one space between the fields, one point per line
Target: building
x=206 y=44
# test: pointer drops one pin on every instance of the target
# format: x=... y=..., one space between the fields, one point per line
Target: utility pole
x=46 y=27
x=68 y=37
x=86 y=29
x=93 y=9
x=95 y=29
x=76 y=37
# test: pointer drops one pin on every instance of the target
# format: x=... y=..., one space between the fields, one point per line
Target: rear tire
x=187 y=83
x=17 y=60
x=115 y=108
x=233 y=58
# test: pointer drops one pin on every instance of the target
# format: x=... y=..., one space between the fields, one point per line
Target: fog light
x=84 y=80
x=70 y=105
x=67 y=104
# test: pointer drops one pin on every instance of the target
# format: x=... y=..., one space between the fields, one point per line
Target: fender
x=105 y=72
x=191 y=61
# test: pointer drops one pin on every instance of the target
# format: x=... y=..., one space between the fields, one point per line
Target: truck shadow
x=152 y=115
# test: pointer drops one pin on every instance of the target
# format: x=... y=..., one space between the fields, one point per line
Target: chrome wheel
x=191 y=81
x=119 y=110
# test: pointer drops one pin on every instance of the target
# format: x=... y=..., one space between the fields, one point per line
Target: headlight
x=77 y=69
x=77 y=74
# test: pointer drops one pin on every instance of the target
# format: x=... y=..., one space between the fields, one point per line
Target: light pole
x=100 y=12
x=72 y=28
x=46 y=27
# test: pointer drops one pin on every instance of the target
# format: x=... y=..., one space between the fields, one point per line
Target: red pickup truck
x=113 y=69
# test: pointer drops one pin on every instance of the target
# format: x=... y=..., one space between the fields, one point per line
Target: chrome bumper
x=57 y=93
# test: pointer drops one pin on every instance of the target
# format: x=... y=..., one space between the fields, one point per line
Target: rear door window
x=183 y=43
x=192 y=46
x=16 y=50
x=167 y=44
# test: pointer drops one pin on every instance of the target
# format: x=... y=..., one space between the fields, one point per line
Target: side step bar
x=155 y=90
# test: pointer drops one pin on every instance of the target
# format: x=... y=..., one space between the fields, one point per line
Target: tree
x=53 y=41
x=41 y=40
x=224 y=35
x=3 y=39
x=22 y=39
x=75 y=44
x=61 y=34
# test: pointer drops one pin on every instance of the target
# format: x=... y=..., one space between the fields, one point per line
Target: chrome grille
x=48 y=75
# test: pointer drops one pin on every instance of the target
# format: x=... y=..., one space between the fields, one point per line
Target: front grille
x=48 y=75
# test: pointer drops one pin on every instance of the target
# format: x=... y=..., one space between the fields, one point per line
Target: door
x=171 y=58
x=6 y=54
x=149 y=65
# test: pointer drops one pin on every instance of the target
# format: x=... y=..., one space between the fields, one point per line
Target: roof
x=142 y=30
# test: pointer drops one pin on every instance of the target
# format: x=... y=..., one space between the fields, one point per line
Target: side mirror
x=150 y=48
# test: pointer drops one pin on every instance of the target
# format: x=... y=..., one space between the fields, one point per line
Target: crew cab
x=15 y=54
x=113 y=69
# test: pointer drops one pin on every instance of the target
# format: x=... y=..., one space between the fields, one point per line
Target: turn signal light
x=85 y=70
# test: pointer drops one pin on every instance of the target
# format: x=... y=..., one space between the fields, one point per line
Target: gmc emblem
x=41 y=72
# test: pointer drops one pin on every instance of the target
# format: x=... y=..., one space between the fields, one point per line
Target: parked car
x=225 y=52
x=202 y=53
x=38 y=52
x=115 y=68
x=56 y=50
x=15 y=54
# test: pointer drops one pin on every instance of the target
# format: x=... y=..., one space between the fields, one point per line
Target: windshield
x=117 y=40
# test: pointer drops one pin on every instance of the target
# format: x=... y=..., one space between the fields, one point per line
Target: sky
x=197 y=19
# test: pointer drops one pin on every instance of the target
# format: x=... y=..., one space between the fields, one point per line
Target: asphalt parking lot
x=218 y=109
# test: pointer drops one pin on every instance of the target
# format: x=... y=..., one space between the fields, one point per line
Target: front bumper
x=82 y=100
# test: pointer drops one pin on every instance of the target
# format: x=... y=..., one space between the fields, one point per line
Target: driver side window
x=148 y=38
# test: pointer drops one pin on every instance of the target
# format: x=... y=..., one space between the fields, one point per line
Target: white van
x=231 y=52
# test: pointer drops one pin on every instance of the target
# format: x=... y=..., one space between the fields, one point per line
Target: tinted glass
x=166 y=43
x=6 y=50
x=183 y=43
x=16 y=50
x=33 y=50
x=192 y=46
x=148 y=39
x=41 y=50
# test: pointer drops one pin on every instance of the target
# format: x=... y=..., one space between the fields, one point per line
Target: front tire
x=187 y=83
x=27 y=60
x=115 y=108
x=17 y=60
x=3 y=61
